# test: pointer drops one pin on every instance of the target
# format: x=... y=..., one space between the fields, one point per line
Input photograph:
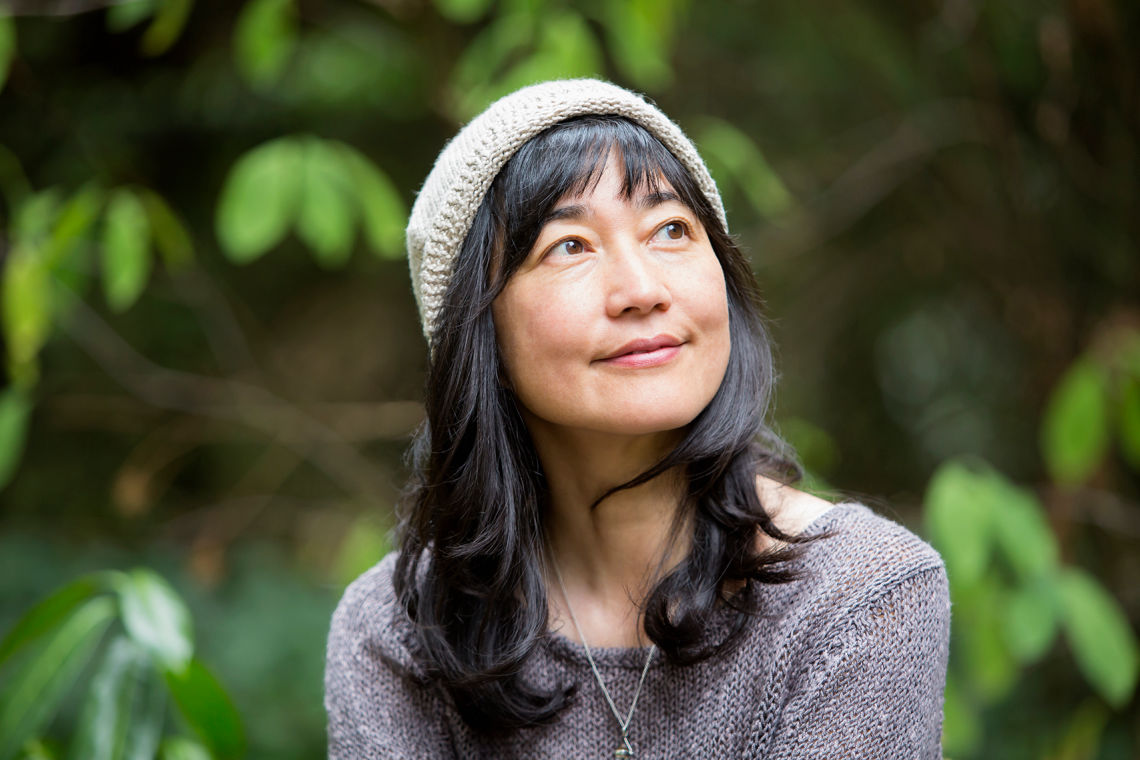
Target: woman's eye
x=672 y=231
x=570 y=247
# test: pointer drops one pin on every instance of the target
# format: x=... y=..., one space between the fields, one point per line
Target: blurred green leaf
x=1031 y=621
x=15 y=410
x=1074 y=431
x=72 y=224
x=989 y=662
x=122 y=16
x=35 y=749
x=32 y=695
x=7 y=45
x=27 y=303
x=462 y=11
x=204 y=704
x=264 y=40
x=170 y=235
x=156 y=618
x=564 y=47
x=1103 y=643
x=1128 y=420
x=640 y=36
x=815 y=447
x=34 y=217
x=1021 y=530
x=483 y=58
x=47 y=614
x=181 y=748
x=123 y=713
x=1082 y=736
x=260 y=199
x=169 y=19
x=126 y=250
x=736 y=156
x=959 y=522
x=326 y=221
x=382 y=209
x=365 y=544
x=961 y=728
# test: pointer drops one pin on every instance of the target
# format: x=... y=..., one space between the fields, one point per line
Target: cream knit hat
x=464 y=171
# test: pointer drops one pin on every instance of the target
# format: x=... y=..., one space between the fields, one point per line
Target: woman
x=598 y=555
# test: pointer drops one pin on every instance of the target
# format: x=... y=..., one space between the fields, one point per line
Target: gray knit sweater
x=847 y=662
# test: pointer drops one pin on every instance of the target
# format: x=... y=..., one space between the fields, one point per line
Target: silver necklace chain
x=626 y=748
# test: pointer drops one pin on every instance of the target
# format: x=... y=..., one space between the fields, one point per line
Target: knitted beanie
x=464 y=171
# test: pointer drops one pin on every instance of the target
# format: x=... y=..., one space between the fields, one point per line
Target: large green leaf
x=156 y=618
x=260 y=199
x=34 y=217
x=1074 y=431
x=982 y=644
x=15 y=409
x=735 y=155
x=123 y=714
x=961 y=728
x=326 y=221
x=7 y=45
x=126 y=250
x=1100 y=636
x=48 y=613
x=122 y=16
x=27 y=303
x=382 y=209
x=181 y=748
x=640 y=34
x=170 y=236
x=208 y=710
x=1031 y=621
x=264 y=39
x=169 y=19
x=959 y=521
x=72 y=226
x=1021 y=530
x=33 y=694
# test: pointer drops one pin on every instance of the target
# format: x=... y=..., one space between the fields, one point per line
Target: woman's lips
x=640 y=360
x=645 y=352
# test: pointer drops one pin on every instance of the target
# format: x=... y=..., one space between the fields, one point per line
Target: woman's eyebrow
x=576 y=212
x=649 y=200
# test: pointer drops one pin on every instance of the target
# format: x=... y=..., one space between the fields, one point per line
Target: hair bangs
x=567 y=160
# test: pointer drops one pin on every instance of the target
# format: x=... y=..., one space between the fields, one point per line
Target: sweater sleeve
x=376 y=708
x=876 y=690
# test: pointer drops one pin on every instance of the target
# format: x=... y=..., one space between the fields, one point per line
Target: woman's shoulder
x=369 y=617
x=860 y=552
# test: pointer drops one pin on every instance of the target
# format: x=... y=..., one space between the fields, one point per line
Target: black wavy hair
x=469 y=572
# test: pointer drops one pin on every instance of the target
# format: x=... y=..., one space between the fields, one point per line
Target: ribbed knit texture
x=848 y=662
x=464 y=171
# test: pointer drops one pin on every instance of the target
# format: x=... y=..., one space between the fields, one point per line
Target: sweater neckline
x=633 y=658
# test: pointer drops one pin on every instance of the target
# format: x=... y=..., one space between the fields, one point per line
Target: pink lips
x=645 y=352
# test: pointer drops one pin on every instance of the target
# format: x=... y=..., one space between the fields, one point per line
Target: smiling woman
x=600 y=553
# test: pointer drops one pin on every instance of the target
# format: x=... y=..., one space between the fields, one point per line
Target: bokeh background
x=213 y=364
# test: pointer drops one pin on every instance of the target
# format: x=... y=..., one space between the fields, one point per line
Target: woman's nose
x=635 y=282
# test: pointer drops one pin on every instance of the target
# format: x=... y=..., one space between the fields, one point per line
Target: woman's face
x=617 y=321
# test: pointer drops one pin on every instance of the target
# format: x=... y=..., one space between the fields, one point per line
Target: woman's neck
x=609 y=555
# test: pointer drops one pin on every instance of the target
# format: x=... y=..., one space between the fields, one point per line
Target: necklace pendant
x=623 y=752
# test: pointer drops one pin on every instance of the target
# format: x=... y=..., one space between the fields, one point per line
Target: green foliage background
x=212 y=359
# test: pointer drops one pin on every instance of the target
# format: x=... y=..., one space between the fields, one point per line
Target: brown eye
x=672 y=231
x=571 y=247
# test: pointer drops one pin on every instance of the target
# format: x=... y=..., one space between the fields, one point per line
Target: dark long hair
x=469 y=571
